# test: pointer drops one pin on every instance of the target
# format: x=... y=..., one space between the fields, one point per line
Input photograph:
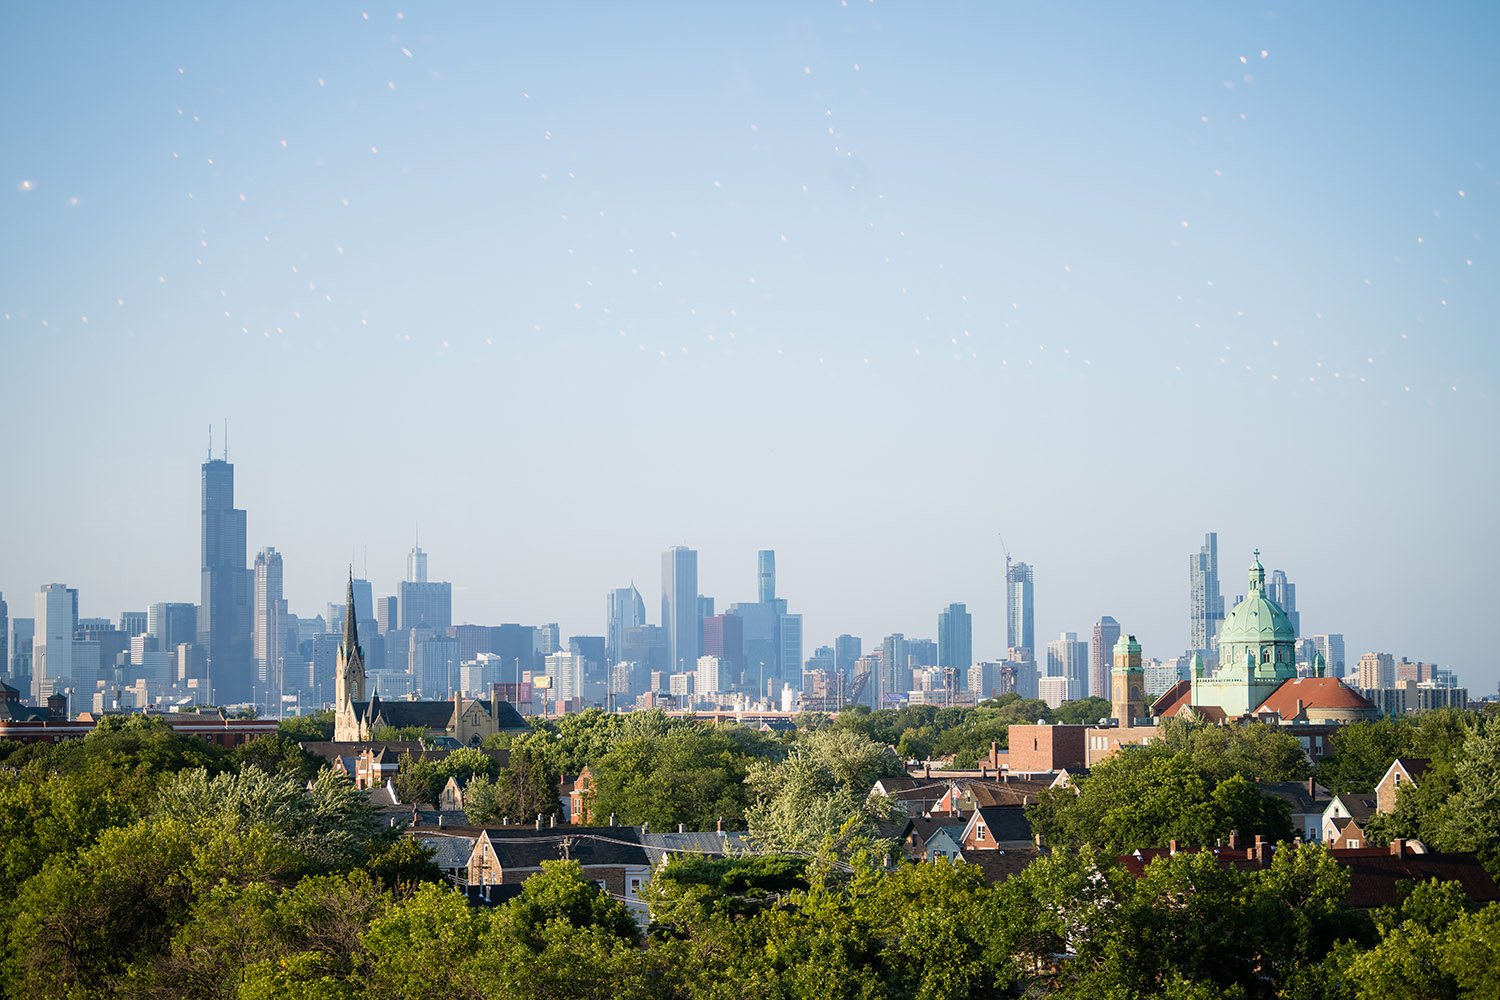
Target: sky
x=891 y=288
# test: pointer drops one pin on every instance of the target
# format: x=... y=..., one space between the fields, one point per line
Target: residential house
x=1403 y=772
x=992 y=828
x=1308 y=801
x=1344 y=820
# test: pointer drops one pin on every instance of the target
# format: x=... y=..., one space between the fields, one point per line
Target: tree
x=820 y=793
x=315 y=727
x=690 y=776
x=329 y=825
x=277 y=753
x=1082 y=711
x=1145 y=797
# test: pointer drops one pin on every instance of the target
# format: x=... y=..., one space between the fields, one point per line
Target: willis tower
x=224 y=614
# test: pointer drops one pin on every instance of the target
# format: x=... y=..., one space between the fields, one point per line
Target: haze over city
x=868 y=284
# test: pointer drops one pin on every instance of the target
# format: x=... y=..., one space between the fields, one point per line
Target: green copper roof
x=1257 y=618
x=1127 y=645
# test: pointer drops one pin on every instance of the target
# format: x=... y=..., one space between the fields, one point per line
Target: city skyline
x=263 y=584
x=512 y=274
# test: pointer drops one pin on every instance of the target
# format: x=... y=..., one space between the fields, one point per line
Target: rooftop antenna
x=226 y=439
x=210 y=441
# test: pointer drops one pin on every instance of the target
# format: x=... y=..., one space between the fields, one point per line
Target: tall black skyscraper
x=224 y=612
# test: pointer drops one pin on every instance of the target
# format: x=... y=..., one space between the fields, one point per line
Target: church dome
x=1257 y=619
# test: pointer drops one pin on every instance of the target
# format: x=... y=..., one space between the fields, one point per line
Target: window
x=635 y=887
x=979 y=832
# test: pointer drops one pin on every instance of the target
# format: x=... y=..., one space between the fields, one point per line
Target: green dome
x=1257 y=618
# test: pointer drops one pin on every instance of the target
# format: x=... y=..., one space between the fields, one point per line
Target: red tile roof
x=1313 y=692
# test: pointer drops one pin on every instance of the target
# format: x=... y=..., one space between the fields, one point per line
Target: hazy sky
x=869 y=284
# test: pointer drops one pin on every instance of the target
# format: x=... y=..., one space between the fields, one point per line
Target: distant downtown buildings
x=242 y=644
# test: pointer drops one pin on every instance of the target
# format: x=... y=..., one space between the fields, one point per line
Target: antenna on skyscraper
x=226 y=439
x=210 y=441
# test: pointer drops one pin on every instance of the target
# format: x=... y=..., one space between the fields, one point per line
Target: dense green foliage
x=964 y=735
x=1195 y=785
x=138 y=863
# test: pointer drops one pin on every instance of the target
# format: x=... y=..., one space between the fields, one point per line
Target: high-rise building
x=566 y=671
x=1067 y=657
x=1020 y=610
x=52 y=649
x=22 y=635
x=416 y=565
x=1284 y=593
x=846 y=649
x=1101 y=655
x=790 y=628
x=172 y=623
x=548 y=639
x=724 y=638
x=1205 y=599
x=224 y=611
x=766 y=575
x=133 y=623
x=4 y=636
x=426 y=605
x=625 y=611
x=388 y=613
x=364 y=601
x=1375 y=670
x=679 y=606
x=956 y=640
x=269 y=636
x=1331 y=645
x=895 y=668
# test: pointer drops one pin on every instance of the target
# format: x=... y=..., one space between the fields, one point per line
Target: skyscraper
x=224 y=609
x=52 y=649
x=766 y=575
x=171 y=624
x=790 y=643
x=956 y=639
x=22 y=635
x=679 y=606
x=416 y=565
x=1284 y=593
x=4 y=636
x=426 y=605
x=1101 y=656
x=1205 y=599
x=846 y=649
x=269 y=637
x=1020 y=615
x=1067 y=657
x=895 y=671
x=626 y=610
x=1331 y=646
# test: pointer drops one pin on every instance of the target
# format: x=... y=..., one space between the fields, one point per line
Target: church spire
x=351 y=627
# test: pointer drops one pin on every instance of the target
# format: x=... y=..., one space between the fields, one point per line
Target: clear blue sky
x=867 y=284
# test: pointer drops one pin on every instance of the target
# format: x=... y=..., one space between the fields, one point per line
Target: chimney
x=1260 y=849
x=682 y=828
x=1398 y=847
x=927 y=769
x=1312 y=789
x=611 y=819
x=553 y=821
x=505 y=821
x=1234 y=839
x=538 y=821
x=720 y=827
x=440 y=821
x=1171 y=847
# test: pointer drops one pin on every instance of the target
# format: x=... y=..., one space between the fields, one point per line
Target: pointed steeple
x=351 y=626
